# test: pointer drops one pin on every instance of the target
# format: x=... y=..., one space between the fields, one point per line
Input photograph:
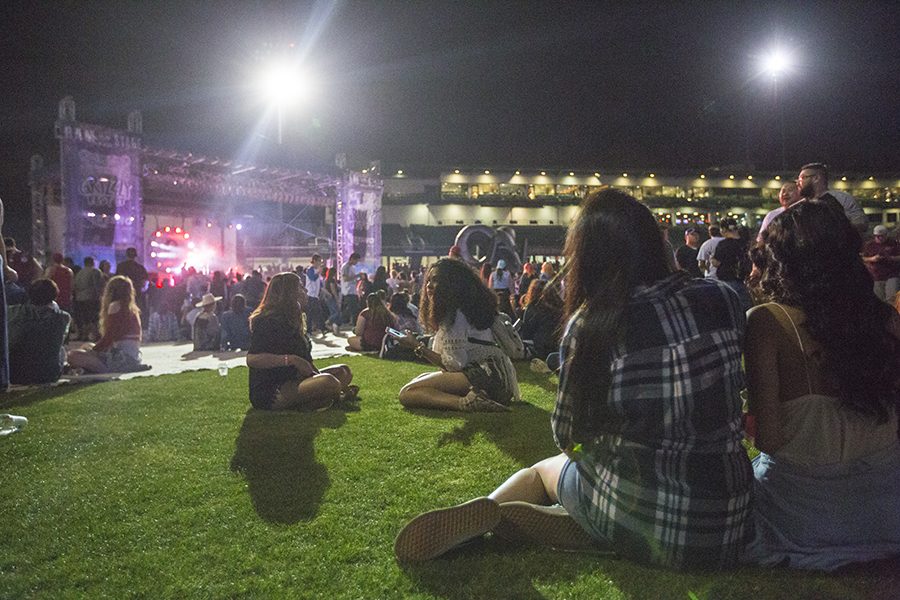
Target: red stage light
x=178 y=230
x=187 y=236
x=168 y=229
x=158 y=234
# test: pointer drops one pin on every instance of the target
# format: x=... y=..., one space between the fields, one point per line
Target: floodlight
x=776 y=62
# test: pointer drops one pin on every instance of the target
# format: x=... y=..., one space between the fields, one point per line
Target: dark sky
x=581 y=85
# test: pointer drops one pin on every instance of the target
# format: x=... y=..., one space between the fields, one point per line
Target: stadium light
x=776 y=62
x=283 y=85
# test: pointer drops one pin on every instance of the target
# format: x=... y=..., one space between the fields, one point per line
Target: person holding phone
x=282 y=374
x=476 y=375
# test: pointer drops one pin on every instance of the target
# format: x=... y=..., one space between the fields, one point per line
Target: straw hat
x=207 y=300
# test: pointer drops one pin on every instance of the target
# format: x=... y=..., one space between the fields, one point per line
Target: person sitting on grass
x=37 y=334
x=370 y=325
x=406 y=320
x=540 y=328
x=206 y=330
x=119 y=347
x=476 y=375
x=282 y=375
x=236 y=325
x=648 y=414
x=823 y=376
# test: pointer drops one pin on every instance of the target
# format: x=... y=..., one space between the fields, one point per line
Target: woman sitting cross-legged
x=370 y=325
x=823 y=376
x=475 y=373
x=540 y=326
x=648 y=414
x=282 y=375
x=119 y=348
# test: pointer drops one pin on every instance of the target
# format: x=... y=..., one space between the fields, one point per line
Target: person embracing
x=476 y=375
x=282 y=374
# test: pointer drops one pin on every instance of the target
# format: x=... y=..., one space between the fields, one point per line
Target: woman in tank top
x=823 y=370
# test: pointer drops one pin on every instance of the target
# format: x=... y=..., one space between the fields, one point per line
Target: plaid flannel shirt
x=668 y=482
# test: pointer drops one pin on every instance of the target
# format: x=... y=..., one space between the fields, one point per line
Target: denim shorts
x=572 y=497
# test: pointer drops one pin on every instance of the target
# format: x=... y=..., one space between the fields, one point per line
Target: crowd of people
x=653 y=348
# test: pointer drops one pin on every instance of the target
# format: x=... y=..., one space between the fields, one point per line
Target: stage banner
x=101 y=191
x=358 y=219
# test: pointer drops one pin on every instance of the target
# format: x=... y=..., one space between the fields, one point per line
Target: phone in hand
x=394 y=332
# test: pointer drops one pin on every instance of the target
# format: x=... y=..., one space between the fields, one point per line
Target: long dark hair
x=812 y=262
x=450 y=284
x=283 y=297
x=613 y=246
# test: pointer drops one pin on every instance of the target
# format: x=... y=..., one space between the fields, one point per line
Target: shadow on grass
x=274 y=451
x=32 y=395
x=523 y=435
x=495 y=569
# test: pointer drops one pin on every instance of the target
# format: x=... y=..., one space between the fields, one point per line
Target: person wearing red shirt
x=63 y=277
x=118 y=350
x=882 y=257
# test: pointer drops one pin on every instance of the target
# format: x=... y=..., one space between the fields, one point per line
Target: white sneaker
x=539 y=366
x=335 y=328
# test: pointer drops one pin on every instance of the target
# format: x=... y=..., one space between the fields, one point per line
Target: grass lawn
x=171 y=487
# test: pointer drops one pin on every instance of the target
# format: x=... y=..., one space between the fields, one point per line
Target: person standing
x=501 y=281
x=135 y=271
x=88 y=291
x=686 y=256
x=787 y=197
x=706 y=251
x=63 y=277
x=315 y=310
x=350 y=305
x=4 y=342
x=26 y=267
x=882 y=257
x=813 y=184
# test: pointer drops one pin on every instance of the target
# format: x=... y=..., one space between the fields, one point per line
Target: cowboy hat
x=207 y=300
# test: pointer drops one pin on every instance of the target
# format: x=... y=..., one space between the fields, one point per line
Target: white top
x=500 y=282
x=768 y=219
x=348 y=280
x=452 y=343
x=706 y=252
x=851 y=208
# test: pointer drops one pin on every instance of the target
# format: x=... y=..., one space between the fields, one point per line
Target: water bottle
x=223 y=369
x=11 y=424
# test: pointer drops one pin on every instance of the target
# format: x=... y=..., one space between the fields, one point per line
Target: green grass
x=171 y=487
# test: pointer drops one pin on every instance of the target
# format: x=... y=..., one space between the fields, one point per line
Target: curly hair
x=613 y=246
x=451 y=285
x=812 y=262
x=285 y=297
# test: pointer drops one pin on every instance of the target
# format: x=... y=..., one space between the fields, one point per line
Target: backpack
x=507 y=337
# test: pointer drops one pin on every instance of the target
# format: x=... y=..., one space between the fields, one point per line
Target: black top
x=686 y=257
x=732 y=257
x=541 y=326
x=271 y=334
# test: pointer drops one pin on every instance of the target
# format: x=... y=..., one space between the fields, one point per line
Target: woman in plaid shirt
x=648 y=414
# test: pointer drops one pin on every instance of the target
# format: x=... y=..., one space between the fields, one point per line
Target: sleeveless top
x=819 y=430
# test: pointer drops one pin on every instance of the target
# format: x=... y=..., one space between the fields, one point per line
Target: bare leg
x=440 y=389
x=87 y=360
x=340 y=372
x=355 y=343
x=536 y=485
x=528 y=514
x=314 y=393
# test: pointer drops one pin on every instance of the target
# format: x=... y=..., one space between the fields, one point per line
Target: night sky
x=565 y=85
